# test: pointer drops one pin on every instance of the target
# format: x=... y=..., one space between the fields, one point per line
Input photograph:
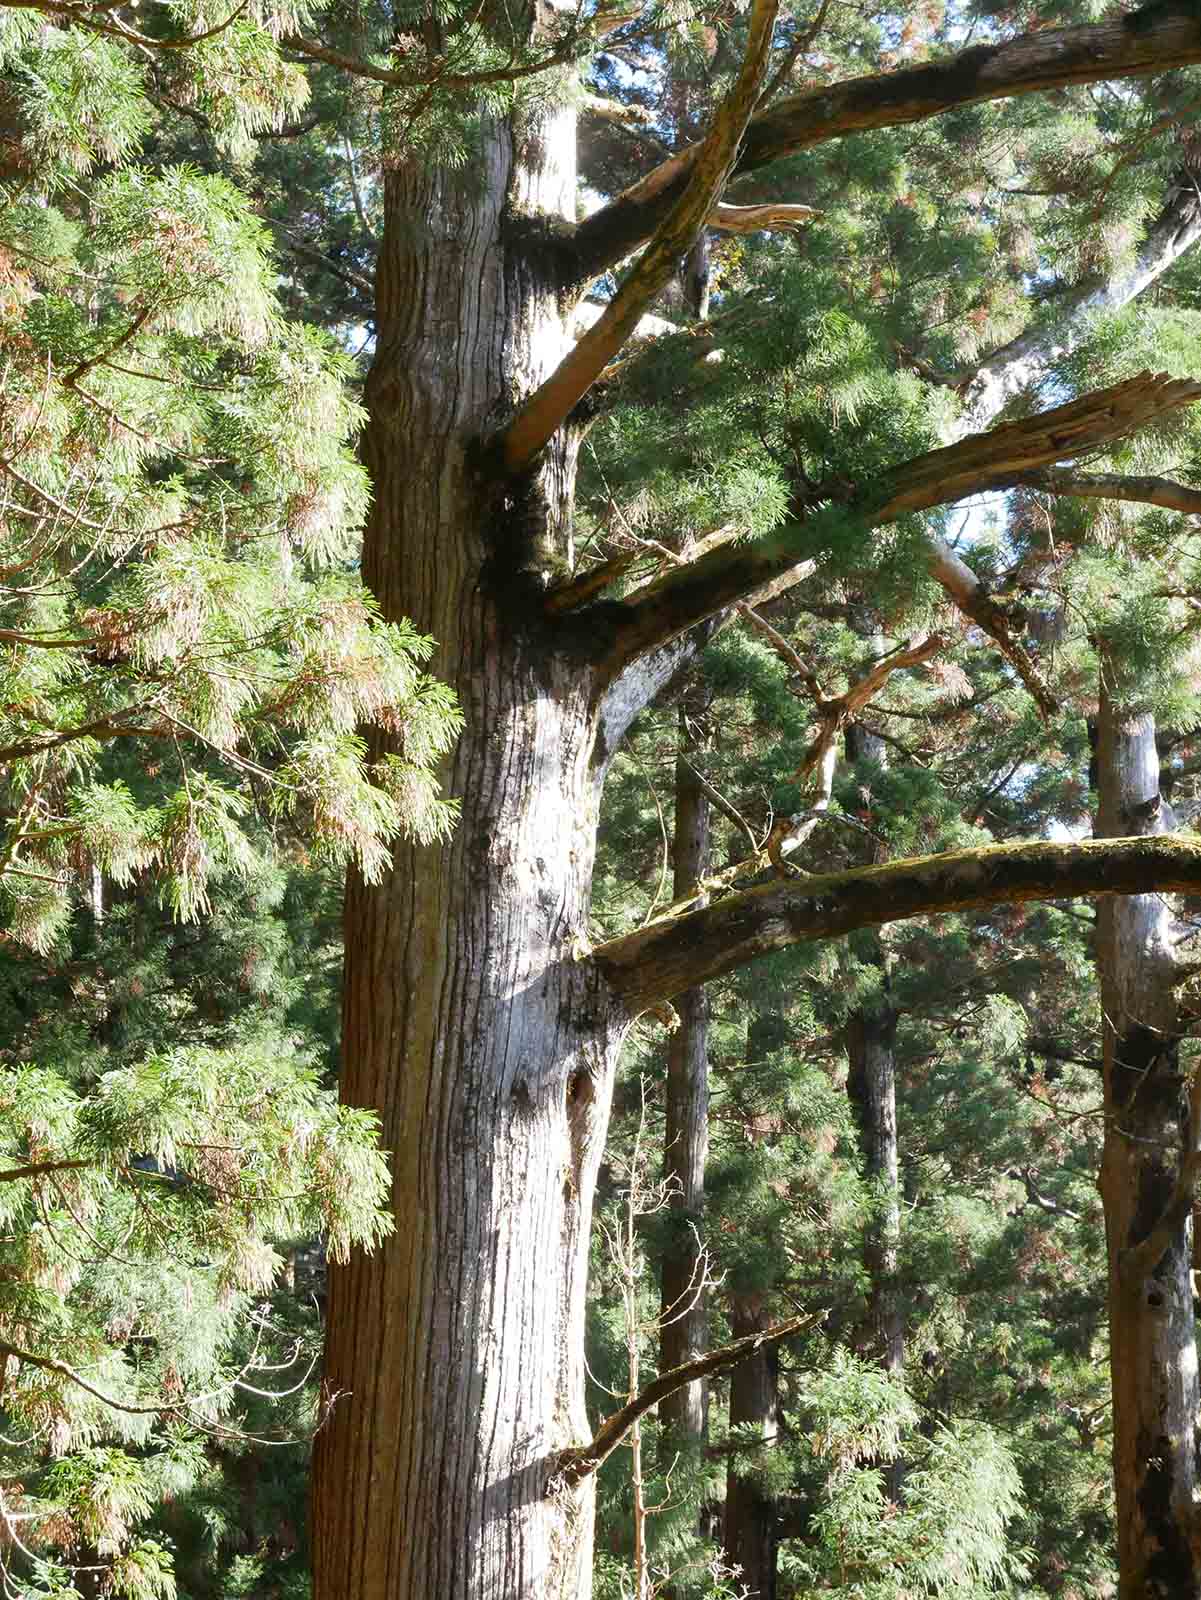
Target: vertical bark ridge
x=458 y=1347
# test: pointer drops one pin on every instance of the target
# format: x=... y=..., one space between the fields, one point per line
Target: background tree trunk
x=1153 y=1355
x=684 y=1414
x=872 y=1088
x=749 y=1535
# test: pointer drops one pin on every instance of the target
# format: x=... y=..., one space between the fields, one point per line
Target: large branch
x=1155 y=39
x=708 y=174
x=586 y=1459
x=998 y=458
x=656 y=962
x=1149 y=491
x=687 y=594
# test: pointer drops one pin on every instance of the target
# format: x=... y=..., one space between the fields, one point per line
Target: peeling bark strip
x=666 y=957
x=457 y=1348
x=1154 y=39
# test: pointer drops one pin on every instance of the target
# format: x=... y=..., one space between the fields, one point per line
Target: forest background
x=882 y=607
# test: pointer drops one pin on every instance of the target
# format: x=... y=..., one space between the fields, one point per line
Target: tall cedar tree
x=476 y=1020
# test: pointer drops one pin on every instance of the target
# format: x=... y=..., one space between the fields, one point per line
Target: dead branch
x=580 y=1463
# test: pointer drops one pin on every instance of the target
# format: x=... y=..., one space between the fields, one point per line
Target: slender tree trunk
x=454 y=1355
x=872 y=1088
x=750 y=1536
x=1153 y=1354
x=871 y=1085
x=684 y=1414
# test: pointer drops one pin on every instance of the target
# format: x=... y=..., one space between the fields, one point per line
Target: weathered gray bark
x=749 y=1535
x=1153 y=1354
x=454 y=1357
x=684 y=1414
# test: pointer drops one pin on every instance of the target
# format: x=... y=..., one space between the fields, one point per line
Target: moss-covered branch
x=1156 y=38
x=672 y=955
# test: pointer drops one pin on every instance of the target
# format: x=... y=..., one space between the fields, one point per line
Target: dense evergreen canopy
x=817 y=460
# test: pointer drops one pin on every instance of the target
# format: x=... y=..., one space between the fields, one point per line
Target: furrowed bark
x=1145 y=1169
x=663 y=959
x=1154 y=39
x=454 y=1355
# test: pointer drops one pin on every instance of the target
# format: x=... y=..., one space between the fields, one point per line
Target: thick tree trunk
x=1153 y=1353
x=454 y=1354
x=749 y=1536
x=684 y=1414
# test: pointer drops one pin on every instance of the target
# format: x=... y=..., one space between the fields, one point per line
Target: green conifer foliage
x=181 y=510
x=152 y=1252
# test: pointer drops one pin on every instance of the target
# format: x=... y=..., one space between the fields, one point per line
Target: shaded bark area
x=1153 y=1354
x=871 y=1086
x=749 y=1535
x=684 y=1414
